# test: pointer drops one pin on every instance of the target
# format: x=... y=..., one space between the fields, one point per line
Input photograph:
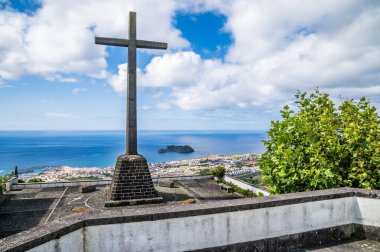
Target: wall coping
x=97 y=182
x=57 y=228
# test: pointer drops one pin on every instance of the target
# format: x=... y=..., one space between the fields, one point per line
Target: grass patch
x=239 y=190
x=80 y=210
x=35 y=180
x=188 y=201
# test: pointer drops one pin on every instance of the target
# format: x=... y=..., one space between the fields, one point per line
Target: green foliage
x=321 y=146
x=35 y=180
x=205 y=172
x=239 y=190
x=255 y=180
x=218 y=171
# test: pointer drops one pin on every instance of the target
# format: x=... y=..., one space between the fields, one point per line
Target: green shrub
x=35 y=180
x=218 y=171
x=205 y=172
x=321 y=146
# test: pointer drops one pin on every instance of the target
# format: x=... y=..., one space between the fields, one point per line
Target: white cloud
x=60 y=78
x=178 y=69
x=119 y=81
x=59 y=37
x=12 y=48
x=279 y=47
x=78 y=90
x=59 y=115
x=199 y=84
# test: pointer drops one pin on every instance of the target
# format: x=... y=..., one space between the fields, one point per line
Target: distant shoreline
x=29 y=149
x=235 y=164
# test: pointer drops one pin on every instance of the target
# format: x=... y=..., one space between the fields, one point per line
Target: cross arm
x=151 y=45
x=111 y=41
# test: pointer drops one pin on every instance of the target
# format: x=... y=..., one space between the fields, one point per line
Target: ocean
x=28 y=149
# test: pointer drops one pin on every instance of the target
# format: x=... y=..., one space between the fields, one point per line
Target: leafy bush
x=205 y=172
x=218 y=171
x=321 y=146
x=35 y=180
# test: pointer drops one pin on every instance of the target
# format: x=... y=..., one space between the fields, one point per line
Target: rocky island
x=178 y=149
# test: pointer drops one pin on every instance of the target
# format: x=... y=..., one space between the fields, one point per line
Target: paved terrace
x=327 y=220
x=32 y=207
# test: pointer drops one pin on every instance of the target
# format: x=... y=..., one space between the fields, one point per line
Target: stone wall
x=93 y=182
x=10 y=183
x=267 y=223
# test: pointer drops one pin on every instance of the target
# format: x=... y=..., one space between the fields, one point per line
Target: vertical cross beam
x=131 y=90
x=132 y=44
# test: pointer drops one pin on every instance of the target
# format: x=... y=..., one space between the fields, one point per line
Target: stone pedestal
x=132 y=183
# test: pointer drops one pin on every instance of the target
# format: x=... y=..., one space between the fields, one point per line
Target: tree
x=218 y=171
x=320 y=146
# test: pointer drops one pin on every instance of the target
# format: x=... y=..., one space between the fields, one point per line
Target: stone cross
x=132 y=44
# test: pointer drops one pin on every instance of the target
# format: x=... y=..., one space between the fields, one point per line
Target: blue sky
x=230 y=65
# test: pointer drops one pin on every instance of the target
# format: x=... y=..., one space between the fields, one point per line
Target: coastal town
x=235 y=165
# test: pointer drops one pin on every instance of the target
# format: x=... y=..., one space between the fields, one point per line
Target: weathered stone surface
x=87 y=188
x=42 y=234
x=166 y=183
x=132 y=183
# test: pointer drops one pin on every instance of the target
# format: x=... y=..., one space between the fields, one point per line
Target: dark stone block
x=132 y=181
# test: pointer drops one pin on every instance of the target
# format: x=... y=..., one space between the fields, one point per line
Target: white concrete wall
x=369 y=211
x=10 y=183
x=245 y=185
x=72 y=242
x=220 y=229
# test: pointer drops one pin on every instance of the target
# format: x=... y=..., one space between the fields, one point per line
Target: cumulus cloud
x=12 y=50
x=60 y=78
x=59 y=37
x=279 y=47
x=119 y=81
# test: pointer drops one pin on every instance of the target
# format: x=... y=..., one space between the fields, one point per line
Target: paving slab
x=31 y=207
x=362 y=245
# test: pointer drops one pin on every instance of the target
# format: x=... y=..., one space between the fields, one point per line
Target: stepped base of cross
x=132 y=183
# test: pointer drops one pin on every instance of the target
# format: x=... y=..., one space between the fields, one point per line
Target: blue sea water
x=100 y=148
